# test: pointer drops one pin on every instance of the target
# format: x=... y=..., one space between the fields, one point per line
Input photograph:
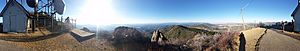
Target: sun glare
x=100 y=12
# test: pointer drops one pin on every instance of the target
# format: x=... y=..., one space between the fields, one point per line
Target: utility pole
x=35 y=17
x=242 y=15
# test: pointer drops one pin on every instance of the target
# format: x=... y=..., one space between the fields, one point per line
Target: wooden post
x=75 y=22
x=293 y=25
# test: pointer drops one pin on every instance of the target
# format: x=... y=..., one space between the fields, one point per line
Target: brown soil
x=63 y=42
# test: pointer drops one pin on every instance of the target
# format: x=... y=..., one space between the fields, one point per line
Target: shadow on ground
x=242 y=42
x=81 y=39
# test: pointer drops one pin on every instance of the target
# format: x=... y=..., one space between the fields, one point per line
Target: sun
x=99 y=12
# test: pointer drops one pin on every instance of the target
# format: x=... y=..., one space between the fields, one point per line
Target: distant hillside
x=205 y=26
x=179 y=34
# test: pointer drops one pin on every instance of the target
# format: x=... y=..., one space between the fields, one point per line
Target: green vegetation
x=181 y=34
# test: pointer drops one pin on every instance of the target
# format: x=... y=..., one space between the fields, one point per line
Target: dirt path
x=64 y=42
x=251 y=36
x=273 y=41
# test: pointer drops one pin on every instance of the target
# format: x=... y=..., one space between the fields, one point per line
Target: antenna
x=6 y=1
x=32 y=3
x=59 y=6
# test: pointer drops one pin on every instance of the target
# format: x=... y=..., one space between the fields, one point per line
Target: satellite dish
x=31 y=3
x=7 y=1
x=59 y=6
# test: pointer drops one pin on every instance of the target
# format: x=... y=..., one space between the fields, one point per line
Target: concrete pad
x=81 y=32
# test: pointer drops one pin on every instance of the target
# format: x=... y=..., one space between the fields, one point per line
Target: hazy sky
x=158 y=11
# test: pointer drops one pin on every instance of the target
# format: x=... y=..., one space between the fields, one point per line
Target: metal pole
x=34 y=18
x=52 y=17
x=75 y=22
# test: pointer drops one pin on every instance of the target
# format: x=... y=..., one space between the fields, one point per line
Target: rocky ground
x=63 y=42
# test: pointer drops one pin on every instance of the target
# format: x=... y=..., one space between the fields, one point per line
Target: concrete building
x=296 y=17
x=15 y=17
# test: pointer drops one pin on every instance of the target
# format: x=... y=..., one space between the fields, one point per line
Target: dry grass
x=225 y=42
x=292 y=34
x=252 y=37
x=218 y=42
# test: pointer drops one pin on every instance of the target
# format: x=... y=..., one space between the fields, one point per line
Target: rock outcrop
x=123 y=33
x=129 y=39
x=158 y=37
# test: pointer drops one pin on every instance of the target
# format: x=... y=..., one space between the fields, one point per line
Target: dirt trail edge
x=259 y=39
x=252 y=36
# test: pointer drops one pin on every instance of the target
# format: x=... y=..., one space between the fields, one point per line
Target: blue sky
x=158 y=11
x=209 y=10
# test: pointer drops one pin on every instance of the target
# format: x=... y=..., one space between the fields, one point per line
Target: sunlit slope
x=180 y=34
